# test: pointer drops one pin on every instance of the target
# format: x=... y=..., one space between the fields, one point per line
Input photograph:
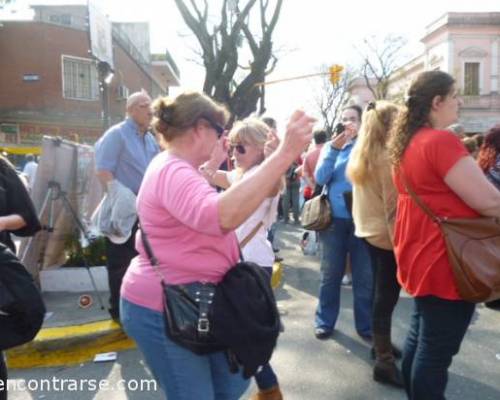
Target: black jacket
x=245 y=316
x=21 y=305
x=14 y=199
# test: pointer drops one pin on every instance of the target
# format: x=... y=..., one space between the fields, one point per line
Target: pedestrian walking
x=190 y=227
x=247 y=141
x=374 y=210
x=338 y=239
x=434 y=163
x=17 y=216
x=489 y=162
x=122 y=155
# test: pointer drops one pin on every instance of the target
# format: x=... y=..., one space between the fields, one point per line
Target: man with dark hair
x=122 y=156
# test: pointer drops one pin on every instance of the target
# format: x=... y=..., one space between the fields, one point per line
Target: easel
x=54 y=193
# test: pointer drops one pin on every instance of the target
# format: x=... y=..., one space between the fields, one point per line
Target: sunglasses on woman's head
x=239 y=148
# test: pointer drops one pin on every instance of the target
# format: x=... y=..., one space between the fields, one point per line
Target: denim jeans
x=182 y=374
x=386 y=288
x=437 y=329
x=337 y=241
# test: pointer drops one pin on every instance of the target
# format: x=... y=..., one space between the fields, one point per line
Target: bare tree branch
x=380 y=59
x=226 y=79
x=330 y=99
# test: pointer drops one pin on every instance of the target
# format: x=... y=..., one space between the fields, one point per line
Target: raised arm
x=238 y=202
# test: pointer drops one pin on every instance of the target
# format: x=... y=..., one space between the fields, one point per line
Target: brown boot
x=385 y=369
x=273 y=393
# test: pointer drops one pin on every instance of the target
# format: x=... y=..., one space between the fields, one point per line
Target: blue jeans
x=182 y=374
x=337 y=241
x=437 y=329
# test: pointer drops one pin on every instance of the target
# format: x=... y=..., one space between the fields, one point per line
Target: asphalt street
x=338 y=368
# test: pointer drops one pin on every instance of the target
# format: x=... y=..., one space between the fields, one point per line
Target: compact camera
x=339 y=128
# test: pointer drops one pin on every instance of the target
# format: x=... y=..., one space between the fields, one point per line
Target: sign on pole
x=101 y=43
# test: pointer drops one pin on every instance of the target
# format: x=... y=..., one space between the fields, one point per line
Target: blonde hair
x=173 y=117
x=370 y=148
x=249 y=131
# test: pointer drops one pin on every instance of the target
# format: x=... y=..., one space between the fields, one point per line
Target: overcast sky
x=313 y=32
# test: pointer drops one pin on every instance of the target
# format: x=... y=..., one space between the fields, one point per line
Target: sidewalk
x=70 y=334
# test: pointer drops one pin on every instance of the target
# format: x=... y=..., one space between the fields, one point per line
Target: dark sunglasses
x=217 y=127
x=239 y=148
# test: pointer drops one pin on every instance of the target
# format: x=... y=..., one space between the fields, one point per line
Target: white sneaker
x=346 y=280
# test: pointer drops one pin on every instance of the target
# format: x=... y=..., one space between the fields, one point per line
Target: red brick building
x=49 y=82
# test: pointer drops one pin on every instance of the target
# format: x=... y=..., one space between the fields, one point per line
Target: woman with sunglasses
x=191 y=231
x=247 y=141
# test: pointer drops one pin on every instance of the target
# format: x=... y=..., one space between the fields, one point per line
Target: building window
x=79 y=79
x=471 y=79
x=62 y=19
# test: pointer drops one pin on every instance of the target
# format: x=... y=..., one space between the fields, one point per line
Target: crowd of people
x=206 y=198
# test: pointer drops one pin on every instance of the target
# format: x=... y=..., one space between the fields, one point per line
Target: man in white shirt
x=30 y=170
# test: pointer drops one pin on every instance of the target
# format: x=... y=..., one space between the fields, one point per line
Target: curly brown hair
x=415 y=115
x=490 y=149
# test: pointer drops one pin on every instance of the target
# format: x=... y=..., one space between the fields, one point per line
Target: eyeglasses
x=239 y=148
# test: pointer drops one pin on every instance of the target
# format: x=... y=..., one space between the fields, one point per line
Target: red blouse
x=423 y=266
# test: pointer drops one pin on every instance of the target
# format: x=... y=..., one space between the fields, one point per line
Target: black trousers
x=386 y=288
x=119 y=257
x=3 y=378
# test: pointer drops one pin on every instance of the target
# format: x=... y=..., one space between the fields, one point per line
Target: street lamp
x=105 y=78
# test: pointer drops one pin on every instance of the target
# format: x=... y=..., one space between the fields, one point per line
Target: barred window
x=471 y=81
x=80 y=79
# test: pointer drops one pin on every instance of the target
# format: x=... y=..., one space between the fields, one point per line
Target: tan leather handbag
x=473 y=246
x=316 y=213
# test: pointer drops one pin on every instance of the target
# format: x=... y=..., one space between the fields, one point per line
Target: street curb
x=69 y=345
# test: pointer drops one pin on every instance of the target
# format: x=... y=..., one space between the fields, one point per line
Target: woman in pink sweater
x=191 y=230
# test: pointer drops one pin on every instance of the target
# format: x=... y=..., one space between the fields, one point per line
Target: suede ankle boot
x=273 y=393
x=385 y=369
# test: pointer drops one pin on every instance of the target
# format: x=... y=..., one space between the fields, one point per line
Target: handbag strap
x=417 y=199
x=249 y=237
x=149 y=252
x=154 y=261
x=254 y=231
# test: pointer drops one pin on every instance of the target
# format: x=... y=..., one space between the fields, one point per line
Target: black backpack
x=21 y=306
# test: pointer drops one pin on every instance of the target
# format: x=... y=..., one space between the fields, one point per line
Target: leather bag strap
x=417 y=199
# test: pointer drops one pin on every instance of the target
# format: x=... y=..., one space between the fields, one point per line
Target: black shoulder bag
x=187 y=310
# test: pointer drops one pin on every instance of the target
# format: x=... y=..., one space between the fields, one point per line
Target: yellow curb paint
x=71 y=345
x=93 y=328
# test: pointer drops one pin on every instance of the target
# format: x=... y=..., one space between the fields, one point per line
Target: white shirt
x=258 y=249
x=30 y=172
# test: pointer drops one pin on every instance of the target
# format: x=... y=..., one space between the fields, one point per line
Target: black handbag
x=187 y=310
x=21 y=306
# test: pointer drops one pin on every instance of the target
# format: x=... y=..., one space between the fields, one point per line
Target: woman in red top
x=436 y=165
